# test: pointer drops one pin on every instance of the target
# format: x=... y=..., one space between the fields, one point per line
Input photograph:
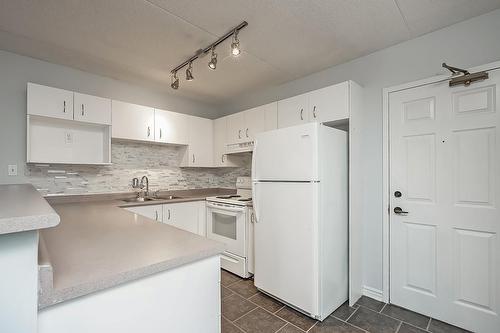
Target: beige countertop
x=22 y=208
x=98 y=245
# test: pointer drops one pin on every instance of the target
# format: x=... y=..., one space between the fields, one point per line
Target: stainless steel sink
x=139 y=199
x=167 y=197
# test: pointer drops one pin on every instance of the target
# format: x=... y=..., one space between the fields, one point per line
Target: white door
x=171 y=127
x=183 y=215
x=329 y=103
x=287 y=154
x=132 y=121
x=92 y=109
x=236 y=127
x=445 y=252
x=292 y=111
x=49 y=102
x=154 y=212
x=286 y=238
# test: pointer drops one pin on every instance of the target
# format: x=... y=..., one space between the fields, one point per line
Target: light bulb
x=189 y=73
x=235 y=45
x=213 y=61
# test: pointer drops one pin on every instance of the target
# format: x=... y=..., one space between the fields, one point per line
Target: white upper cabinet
x=330 y=103
x=292 y=111
x=92 y=109
x=236 y=127
x=271 y=116
x=323 y=105
x=200 y=149
x=221 y=159
x=171 y=127
x=132 y=121
x=244 y=125
x=49 y=102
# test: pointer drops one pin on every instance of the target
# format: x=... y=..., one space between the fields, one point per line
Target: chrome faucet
x=146 y=194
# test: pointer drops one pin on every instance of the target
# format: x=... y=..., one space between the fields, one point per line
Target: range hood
x=240 y=147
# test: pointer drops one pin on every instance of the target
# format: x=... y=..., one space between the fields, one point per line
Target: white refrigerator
x=300 y=198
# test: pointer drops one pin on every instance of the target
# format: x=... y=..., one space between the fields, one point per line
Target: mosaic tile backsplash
x=159 y=162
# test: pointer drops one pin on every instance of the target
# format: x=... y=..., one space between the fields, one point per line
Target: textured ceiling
x=142 y=40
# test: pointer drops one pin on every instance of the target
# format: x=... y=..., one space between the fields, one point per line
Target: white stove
x=230 y=221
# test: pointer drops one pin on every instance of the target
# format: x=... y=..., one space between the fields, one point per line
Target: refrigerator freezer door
x=286 y=238
x=287 y=154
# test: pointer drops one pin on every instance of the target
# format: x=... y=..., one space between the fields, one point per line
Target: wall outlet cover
x=12 y=170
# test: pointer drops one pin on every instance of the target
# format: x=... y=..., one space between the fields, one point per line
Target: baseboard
x=373 y=293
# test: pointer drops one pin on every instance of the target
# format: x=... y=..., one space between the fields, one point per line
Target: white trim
x=373 y=293
x=385 y=293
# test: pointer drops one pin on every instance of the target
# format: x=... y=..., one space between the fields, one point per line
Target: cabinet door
x=236 y=127
x=132 y=121
x=271 y=116
x=221 y=159
x=171 y=127
x=154 y=212
x=255 y=122
x=49 y=102
x=292 y=111
x=330 y=103
x=92 y=109
x=200 y=152
x=184 y=215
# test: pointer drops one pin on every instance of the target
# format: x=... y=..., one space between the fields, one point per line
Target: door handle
x=223 y=157
x=252 y=218
x=301 y=114
x=83 y=110
x=194 y=159
x=160 y=133
x=149 y=131
x=156 y=215
x=398 y=210
x=168 y=214
x=314 y=112
x=64 y=106
x=246 y=132
x=239 y=134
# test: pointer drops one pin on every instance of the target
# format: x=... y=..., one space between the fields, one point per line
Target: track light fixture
x=212 y=64
x=175 y=81
x=235 y=45
x=189 y=72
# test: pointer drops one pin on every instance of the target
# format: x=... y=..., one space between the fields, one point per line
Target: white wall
x=470 y=43
x=16 y=71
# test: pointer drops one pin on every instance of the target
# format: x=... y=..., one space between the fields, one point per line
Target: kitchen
x=128 y=183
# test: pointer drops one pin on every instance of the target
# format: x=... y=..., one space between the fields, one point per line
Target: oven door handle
x=227 y=208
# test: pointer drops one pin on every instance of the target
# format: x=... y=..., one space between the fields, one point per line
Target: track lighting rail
x=209 y=47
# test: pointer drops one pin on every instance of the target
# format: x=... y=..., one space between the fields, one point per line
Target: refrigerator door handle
x=254 y=184
x=254 y=200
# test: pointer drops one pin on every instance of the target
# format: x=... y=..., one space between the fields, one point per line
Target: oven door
x=227 y=224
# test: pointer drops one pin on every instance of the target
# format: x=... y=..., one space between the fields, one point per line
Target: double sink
x=153 y=198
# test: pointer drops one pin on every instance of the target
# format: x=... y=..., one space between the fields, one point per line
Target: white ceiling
x=142 y=40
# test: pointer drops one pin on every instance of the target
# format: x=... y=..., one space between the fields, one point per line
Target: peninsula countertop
x=22 y=208
x=98 y=245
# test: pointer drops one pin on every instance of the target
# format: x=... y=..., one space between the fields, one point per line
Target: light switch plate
x=12 y=169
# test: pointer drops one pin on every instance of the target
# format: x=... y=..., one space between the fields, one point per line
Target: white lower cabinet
x=154 y=212
x=189 y=216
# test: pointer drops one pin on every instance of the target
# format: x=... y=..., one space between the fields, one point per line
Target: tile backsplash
x=159 y=162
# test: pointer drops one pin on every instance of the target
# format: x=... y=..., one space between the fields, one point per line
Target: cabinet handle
x=246 y=132
x=194 y=159
x=64 y=106
x=314 y=111
x=83 y=110
x=252 y=217
x=156 y=215
x=239 y=134
x=149 y=131
x=301 y=114
x=160 y=133
x=223 y=157
x=169 y=214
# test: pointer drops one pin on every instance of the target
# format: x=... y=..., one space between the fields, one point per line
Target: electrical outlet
x=12 y=170
x=68 y=138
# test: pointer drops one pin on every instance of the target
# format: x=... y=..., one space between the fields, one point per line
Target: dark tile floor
x=245 y=309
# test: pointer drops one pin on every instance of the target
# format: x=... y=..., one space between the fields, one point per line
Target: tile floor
x=245 y=309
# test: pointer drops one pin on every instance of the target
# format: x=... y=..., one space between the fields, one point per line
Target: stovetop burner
x=229 y=196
